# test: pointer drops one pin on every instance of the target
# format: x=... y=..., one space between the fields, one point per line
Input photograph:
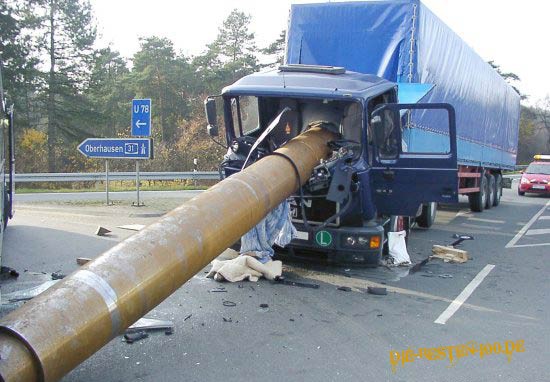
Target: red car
x=536 y=177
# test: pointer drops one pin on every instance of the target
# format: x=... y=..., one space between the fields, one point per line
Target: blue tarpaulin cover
x=403 y=41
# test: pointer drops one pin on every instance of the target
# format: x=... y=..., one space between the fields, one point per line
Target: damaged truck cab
x=372 y=183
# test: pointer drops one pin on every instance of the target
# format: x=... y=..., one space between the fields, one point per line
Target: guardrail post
x=107 y=181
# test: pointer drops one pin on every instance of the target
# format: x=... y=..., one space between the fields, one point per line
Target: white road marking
x=542 y=231
x=477 y=226
x=463 y=296
x=531 y=245
x=464 y=213
x=544 y=217
x=487 y=220
x=525 y=228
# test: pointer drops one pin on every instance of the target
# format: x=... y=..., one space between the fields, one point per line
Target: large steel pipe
x=53 y=333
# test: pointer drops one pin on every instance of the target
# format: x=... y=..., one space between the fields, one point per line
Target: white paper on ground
x=398 y=248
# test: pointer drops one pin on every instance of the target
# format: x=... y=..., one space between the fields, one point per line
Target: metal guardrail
x=100 y=176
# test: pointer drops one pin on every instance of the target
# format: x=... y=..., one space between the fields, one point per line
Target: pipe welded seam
x=106 y=292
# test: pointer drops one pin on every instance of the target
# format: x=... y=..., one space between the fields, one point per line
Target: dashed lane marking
x=463 y=296
x=542 y=231
x=487 y=220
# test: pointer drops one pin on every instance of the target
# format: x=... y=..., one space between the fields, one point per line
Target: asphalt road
x=323 y=334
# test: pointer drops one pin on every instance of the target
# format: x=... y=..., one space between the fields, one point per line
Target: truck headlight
x=350 y=240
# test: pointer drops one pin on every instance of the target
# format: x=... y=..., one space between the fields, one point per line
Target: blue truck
x=421 y=119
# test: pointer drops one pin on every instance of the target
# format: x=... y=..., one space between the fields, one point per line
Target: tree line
x=66 y=90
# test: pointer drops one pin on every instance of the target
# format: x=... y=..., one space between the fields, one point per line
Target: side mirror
x=211 y=117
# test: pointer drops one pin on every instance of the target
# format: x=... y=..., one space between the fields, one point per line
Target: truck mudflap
x=361 y=245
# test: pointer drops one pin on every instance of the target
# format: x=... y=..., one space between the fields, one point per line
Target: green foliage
x=275 y=51
x=64 y=90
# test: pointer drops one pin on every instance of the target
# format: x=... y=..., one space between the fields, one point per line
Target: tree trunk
x=52 y=125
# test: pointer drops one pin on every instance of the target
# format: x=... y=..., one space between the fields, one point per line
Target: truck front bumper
x=361 y=245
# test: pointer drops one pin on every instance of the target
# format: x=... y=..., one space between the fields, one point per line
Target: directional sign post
x=117 y=148
x=141 y=118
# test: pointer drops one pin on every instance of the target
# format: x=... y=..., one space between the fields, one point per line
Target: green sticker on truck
x=323 y=238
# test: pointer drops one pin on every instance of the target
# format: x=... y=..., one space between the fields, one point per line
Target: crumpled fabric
x=275 y=228
x=244 y=267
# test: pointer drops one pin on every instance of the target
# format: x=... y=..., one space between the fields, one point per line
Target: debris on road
x=228 y=303
x=102 y=231
x=145 y=324
x=27 y=294
x=282 y=280
x=264 y=306
x=132 y=337
x=82 y=260
x=449 y=254
x=58 y=275
x=379 y=291
x=218 y=289
x=460 y=239
x=188 y=317
x=6 y=272
x=132 y=227
x=227 y=319
x=446 y=276
x=344 y=288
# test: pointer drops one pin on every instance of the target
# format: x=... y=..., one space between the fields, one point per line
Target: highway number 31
x=323 y=238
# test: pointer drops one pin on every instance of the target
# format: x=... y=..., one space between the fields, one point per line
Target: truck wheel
x=427 y=217
x=478 y=199
x=498 y=189
x=491 y=191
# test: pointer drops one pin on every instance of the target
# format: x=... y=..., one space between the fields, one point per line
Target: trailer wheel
x=478 y=199
x=427 y=217
x=498 y=189
x=491 y=191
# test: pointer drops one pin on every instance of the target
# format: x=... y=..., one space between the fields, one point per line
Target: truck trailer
x=420 y=119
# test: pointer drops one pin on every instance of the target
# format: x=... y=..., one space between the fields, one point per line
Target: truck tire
x=498 y=189
x=478 y=199
x=491 y=191
x=427 y=217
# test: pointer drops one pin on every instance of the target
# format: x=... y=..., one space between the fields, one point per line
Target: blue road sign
x=141 y=117
x=121 y=148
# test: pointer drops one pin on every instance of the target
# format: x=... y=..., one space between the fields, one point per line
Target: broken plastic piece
x=379 y=291
x=135 y=336
x=344 y=288
x=102 y=231
x=229 y=303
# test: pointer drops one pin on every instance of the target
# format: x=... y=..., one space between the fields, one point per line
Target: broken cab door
x=414 y=157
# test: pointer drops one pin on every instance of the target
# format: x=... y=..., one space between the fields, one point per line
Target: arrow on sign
x=139 y=123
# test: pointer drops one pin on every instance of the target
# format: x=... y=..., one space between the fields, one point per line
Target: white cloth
x=244 y=267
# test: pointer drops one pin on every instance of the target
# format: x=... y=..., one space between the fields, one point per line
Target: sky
x=514 y=34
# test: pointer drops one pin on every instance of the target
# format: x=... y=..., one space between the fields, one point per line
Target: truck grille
x=318 y=210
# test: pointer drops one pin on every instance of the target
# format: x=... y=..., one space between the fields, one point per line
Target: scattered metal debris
x=58 y=275
x=379 y=291
x=460 y=239
x=82 y=260
x=227 y=319
x=6 y=272
x=282 y=280
x=228 y=303
x=102 y=231
x=344 y=288
x=427 y=275
x=446 y=276
x=132 y=227
x=188 y=317
x=415 y=268
x=218 y=289
x=151 y=324
x=27 y=294
x=132 y=337
x=263 y=305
